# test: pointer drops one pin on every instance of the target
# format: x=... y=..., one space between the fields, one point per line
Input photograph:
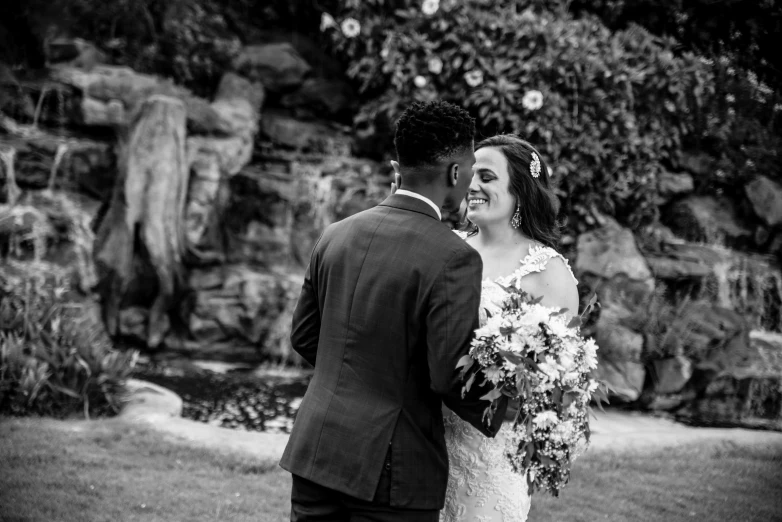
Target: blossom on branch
x=474 y=78
x=327 y=21
x=435 y=65
x=350 y=27
x=419 y=81
x=430 y=7
x=533 y=100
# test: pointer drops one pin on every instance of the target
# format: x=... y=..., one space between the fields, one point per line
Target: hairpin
x=534 y=166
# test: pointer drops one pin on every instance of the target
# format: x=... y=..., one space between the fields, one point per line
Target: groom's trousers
x=311 y=502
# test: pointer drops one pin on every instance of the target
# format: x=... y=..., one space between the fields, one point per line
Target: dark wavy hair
x=538 y=204
x=428 y=132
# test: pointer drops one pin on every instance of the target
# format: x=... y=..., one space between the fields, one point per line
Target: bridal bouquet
x=535 y=354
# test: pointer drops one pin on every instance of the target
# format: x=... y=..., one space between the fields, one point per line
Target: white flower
x=545 y=419
x=430 y=7
x=590 y=354
x=384 y=53
x=564 y=432
x=532 y=100
x=494 y=374
x=567 y=363
x=730 y=98
x=534 y=315
x=559 y=328
x=474 y=78
x=570 y=378
x=419 y=81
x=549 y=368
x=435 y=65
x=350 y=27
x=327 y=21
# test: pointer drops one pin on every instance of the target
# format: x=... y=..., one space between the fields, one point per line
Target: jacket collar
x=409 y=204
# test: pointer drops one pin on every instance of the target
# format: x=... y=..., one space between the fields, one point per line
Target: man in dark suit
x=388 y=307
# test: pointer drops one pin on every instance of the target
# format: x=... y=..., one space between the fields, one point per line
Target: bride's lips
x=475 y=202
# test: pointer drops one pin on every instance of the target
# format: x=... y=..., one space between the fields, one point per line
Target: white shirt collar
x=403 y=192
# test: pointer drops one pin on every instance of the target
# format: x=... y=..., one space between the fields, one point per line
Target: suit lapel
x=410 y=204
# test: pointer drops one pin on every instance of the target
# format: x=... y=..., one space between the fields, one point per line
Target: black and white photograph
x=390 y=260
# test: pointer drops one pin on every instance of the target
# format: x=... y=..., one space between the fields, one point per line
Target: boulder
x=610 y=251
x=713 y=336
x=625 y=379
x=696 y=163
x=321 y=98
x=244 y=304
x=708 y=219
x=74 y=52
x=79 y=164
x=305 y=136
x=110 y=96
x=743 y=386
x=671 y=374
x=670 y=184
x=261 y=220
x=766 y=198
x=684 y=261
x=617 y=342
x=277 y=66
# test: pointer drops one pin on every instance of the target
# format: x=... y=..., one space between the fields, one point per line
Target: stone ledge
x=160 y=409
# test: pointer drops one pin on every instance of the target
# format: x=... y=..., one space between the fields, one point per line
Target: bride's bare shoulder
x=556 y=284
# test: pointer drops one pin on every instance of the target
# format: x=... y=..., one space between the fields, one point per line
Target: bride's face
x=489 y=201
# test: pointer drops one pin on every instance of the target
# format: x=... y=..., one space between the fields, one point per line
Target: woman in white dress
x=513 y=211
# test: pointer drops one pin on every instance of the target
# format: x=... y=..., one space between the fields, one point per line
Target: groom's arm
x=305 y=327
x=451 y=320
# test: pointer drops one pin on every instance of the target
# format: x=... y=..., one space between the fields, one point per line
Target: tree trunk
x=144 y=222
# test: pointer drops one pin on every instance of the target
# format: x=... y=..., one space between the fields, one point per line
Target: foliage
x=746 y=31
x=54 y=358
x=610 y=110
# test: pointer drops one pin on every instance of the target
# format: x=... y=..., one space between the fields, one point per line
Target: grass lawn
x=110 y=471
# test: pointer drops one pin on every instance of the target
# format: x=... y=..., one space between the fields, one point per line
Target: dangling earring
x=516 y=221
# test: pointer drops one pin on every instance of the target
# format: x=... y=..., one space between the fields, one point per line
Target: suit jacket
x=388 y=306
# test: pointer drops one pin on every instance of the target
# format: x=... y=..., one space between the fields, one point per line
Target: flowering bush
x=610 y=111
x=54 y=359
x=533 y=353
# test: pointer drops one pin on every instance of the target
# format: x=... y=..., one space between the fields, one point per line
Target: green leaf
x=465 y=360
x=493 y=395
x=468 y=384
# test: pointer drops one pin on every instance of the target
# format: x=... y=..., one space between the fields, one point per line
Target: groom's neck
x=434 y=194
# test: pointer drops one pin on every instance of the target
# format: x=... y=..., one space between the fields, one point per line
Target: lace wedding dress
x=482 y=487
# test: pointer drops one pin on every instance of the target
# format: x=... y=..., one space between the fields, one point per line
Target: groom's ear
x=397 y=174
x=453 y=174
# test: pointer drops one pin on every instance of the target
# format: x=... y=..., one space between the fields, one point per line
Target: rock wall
x=685 y=307
x=262 y=186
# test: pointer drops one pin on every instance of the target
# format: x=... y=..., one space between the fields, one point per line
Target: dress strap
x=535 y=261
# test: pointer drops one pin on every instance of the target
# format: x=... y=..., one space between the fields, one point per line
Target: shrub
x=54 y=358
x=610 y=110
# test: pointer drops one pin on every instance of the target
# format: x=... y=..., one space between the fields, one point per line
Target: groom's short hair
x=429 y=132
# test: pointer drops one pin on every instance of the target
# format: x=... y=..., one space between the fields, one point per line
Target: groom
x=388 y=307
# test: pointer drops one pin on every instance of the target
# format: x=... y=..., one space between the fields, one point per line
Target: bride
x=512 y=211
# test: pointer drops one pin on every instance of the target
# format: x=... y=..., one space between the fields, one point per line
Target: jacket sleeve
x=451 y=321
x=305 y=327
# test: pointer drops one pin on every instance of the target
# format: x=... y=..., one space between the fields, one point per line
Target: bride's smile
x=489 y=200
